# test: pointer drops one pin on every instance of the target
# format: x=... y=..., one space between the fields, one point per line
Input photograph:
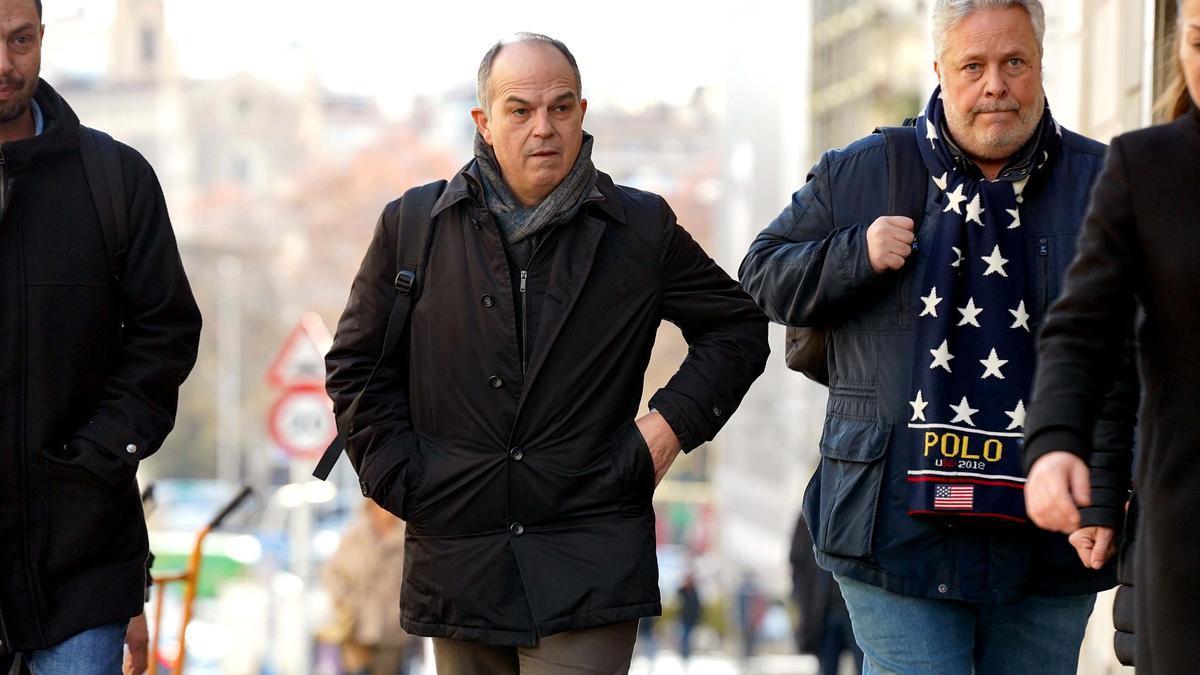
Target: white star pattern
x=931 y=133
x=1021 y=316
x=956 y=199
x=963 y=412
x=931 y=302
x=970 y=314
x=1016 y=216
x=957 y=252
x=1018 y=416
x=975 y=210
x=942 y=357
x=941 y=182
x=995 y=263
x=1019 y=189
x=918 y=407
x=992 y=366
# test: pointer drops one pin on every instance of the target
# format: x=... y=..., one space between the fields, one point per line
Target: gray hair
x=947 y=14
x=483 y=79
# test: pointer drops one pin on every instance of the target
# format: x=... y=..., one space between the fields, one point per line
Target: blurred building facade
x=870 y=66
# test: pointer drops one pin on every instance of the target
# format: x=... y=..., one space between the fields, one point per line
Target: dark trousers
x=604 y=650
x=836 y=638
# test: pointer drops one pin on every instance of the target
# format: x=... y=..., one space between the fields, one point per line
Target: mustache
x=12 y=82
x=1003 y=105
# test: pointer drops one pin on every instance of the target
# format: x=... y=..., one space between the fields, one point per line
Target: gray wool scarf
x=523 y=227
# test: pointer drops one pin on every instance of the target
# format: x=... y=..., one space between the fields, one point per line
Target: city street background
x=279 y=129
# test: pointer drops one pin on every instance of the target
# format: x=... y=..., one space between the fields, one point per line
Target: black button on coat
x=502 y=551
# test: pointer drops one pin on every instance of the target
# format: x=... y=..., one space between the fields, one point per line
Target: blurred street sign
x=301 y=361
x=302 y=422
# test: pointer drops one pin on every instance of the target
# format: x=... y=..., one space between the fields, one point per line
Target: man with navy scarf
x=917 y=505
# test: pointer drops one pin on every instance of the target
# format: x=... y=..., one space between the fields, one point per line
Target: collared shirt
x=39 y=121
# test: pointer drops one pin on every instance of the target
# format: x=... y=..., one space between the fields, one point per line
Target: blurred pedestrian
x=1137 y=260
x=823 y=628
x=925 y=258
x=489 y=396
x=98 y=330
x=647 y=640
x=363 y=578
x=751 y=608
x=691 y=610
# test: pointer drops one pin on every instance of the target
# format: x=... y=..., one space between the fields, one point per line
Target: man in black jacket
x=93 y=347
x=504 y=432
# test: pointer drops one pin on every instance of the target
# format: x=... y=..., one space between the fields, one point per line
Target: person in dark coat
x=691 y=609
x=505 y=433
x=92 y=354
x=1136 y=266
x=930 y=319
x=823 y=627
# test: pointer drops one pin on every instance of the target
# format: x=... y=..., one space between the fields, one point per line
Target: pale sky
x=630 y=50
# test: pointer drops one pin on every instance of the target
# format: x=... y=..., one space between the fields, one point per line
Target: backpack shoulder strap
x=908 y=179
x=102 y=165
x=414 y=234
x=414 y=227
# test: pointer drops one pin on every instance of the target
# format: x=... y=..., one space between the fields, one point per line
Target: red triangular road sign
x=301 y=362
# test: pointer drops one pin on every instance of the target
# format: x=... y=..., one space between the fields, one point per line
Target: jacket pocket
x=91 y=522
x=851 y=475
x=635 y=467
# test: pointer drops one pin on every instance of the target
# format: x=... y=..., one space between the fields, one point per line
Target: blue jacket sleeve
x=806 y=264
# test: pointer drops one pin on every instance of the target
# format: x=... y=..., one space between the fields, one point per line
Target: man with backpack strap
x=98 y=329
x=486 y=377
x=930 y=301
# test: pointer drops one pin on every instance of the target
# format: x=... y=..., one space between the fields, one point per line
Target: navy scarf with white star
x=974 y=357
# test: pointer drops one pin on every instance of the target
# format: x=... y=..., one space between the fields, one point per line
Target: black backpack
x=102 y=165
x=806 y=348
x=414 y=234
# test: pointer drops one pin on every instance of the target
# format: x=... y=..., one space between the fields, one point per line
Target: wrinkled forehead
x=533 y=65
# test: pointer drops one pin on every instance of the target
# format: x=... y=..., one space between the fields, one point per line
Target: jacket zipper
x=1043 y=255
x=5 y=186
x=525 y=307
x=5 y=643
x=524 y=322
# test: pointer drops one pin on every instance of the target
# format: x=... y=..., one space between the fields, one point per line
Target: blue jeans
x=96 y=651
x=901 y=634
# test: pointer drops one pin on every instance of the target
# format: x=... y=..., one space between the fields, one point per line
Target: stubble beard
x=16 y=106
x=999 y=144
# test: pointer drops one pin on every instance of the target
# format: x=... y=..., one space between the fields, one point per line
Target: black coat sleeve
x=159 y=338
x=726 y=335
x=1081 y=402
x=803 y=267
x=1111 y=459
x=372 y=410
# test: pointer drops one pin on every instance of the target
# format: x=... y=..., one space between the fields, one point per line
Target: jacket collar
x=60 y=133
x=1018 y=167
x=467 y=185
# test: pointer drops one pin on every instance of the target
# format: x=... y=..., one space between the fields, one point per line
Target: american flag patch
x=954 y=497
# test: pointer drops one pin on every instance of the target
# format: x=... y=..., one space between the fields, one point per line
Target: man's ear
x=481 y=123
x=937 y=71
